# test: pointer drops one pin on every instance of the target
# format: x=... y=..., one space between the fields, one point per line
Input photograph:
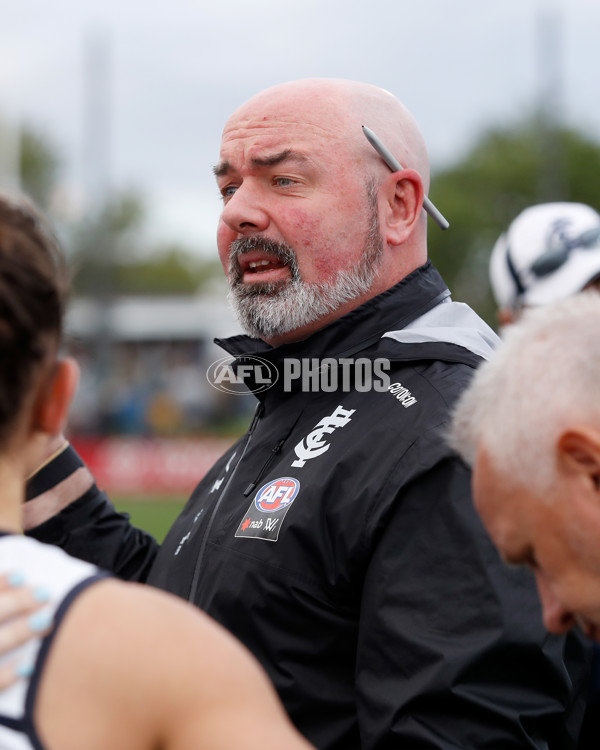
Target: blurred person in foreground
x=337 y=538
x=550 y=251
x=115 y=665
x=529 y=425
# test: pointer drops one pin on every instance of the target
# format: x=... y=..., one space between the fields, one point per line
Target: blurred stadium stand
x=145 y=417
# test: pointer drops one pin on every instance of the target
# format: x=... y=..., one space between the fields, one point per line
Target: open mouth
x=260 y=266
x=256 y=267
x=257 y=261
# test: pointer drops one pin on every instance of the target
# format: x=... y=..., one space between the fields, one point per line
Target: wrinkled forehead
x=298 y=122
x=247 y=140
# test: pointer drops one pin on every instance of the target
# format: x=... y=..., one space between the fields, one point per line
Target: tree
x=101 y=240
x=39 y=164
x=110 y=257
x=507 y=170
x=169 y=270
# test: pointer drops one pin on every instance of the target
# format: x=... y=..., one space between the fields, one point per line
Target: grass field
x=155 y=515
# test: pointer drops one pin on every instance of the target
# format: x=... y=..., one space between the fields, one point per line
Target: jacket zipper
x=275 y=451
x=196 y=577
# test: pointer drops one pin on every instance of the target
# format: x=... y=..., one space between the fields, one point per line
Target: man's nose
x=244 y=212
x=557 y=617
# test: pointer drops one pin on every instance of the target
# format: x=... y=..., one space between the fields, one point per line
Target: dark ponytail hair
x=33 y=287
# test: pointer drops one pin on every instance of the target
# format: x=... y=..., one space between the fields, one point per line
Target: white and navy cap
x=549 y=252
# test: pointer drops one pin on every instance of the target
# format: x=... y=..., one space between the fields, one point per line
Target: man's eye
x=283 y=181
x=228 y=191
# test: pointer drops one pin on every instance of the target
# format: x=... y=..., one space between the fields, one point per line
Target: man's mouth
x=263 y=268
x=259 y=266
x=257 y=263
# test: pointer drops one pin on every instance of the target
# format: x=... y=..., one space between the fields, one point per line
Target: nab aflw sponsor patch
x=265 y=515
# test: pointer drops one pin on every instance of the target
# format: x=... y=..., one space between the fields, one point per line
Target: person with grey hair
x=549 y=252
x=529 y=425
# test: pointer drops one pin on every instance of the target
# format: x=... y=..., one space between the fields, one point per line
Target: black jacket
x=338 y=541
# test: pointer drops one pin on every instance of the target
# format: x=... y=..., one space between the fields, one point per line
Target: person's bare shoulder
x=133 y=668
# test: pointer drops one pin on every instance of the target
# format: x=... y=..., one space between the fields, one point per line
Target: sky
x=151 y=84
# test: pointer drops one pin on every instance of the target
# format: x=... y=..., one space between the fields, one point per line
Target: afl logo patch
x=264 y=518
x=278 y=494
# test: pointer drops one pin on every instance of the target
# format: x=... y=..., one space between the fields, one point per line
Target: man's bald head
x=340 y=108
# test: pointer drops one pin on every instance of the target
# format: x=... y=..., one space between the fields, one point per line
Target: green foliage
x=507 y=170
x=123 y=214
x=110 y=257
x=38 y=166
x=170 y=270
x=108 y=253
x=100 y=240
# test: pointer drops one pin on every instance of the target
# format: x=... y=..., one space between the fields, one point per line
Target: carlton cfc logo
x=278 y=494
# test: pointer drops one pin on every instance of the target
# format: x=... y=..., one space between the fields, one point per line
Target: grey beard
x=271 y=309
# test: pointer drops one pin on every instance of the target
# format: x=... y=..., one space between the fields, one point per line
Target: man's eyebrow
x=224 y=167
x=287 y=155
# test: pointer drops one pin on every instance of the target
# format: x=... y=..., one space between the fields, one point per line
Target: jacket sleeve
x=452 y=650
x=91 y=529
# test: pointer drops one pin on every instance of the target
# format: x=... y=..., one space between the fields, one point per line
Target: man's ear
x=403 y=194
x=579 y=453
x=55 y=396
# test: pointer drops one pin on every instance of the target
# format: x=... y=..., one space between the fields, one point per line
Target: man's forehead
x=302 y=111
x=300 y=103
x=270 y=130
x=249 y=142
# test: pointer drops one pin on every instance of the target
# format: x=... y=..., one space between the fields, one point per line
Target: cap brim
x=579 y=270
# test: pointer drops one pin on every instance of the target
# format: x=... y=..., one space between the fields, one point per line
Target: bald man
x=337 y=537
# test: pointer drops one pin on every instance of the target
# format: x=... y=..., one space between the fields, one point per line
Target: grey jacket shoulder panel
x=450 y=322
